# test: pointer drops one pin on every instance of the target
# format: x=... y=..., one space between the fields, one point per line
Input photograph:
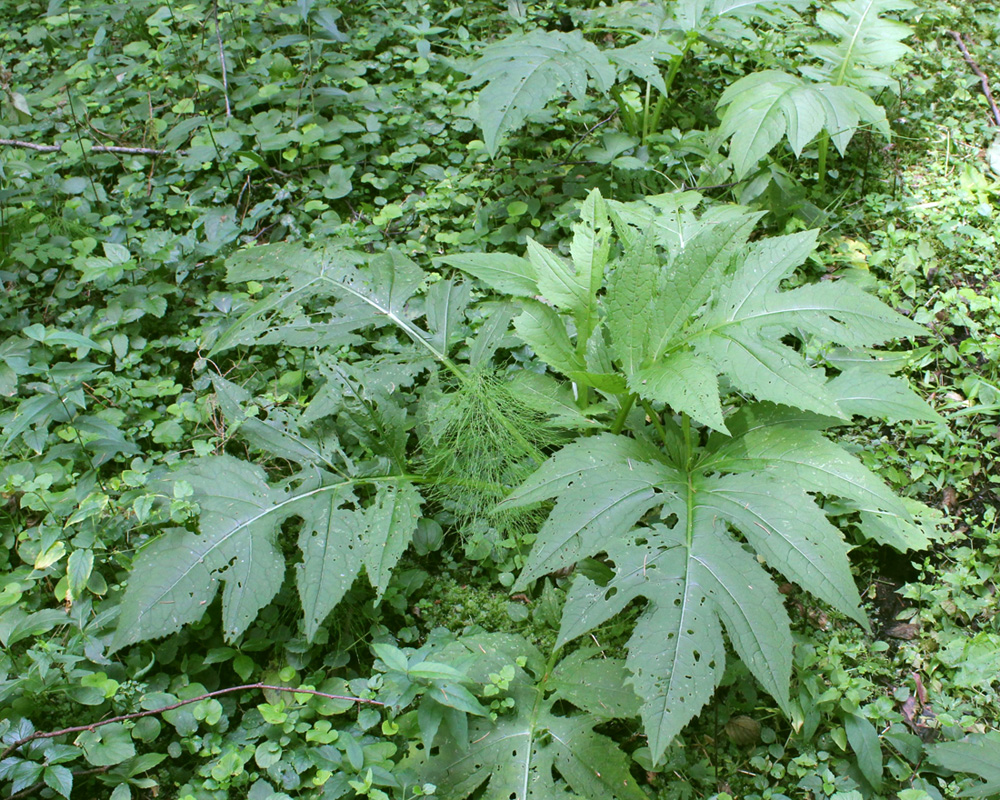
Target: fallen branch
x=222 y=58
x=206 y=696
x=97 y=148
x=983 y=80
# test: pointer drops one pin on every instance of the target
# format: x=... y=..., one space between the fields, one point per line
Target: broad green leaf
x=299 y=275
x=553 y=398
x=446 y=302
x=863 y=738
x=763 y=108
x=769 y=371
x=508 y=274
x=867 y=393
x=107 y=745
x=978 y=755
x=182 y=571
x=332 y=554
x=239 y=518
x=640 y=59
x=689 y=282
x=544 y=331
x=279 y=434
x=524 y=72
x=589 y=249
x=595 y=685
x=687 y=383
x=597 y=506
x=59 y=779
x=391 y=521
x=695 y=579
x=585 y=460
x=815 y=464
x=862 y=38
x=558 y=280
x=630 y=293
x=784 y=525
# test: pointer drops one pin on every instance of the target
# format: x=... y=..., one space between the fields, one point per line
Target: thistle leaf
x=524 y=72
x=507 y=274
x=542 y=329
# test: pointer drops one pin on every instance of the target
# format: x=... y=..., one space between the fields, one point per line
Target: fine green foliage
x=832 y=96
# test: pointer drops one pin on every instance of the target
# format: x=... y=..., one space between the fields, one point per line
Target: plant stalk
x=619 y=422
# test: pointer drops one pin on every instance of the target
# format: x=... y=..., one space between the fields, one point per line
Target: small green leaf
x=107 y=746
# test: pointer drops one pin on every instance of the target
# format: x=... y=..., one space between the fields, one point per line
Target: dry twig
x=984 y=82
x=206 y=696
x=97 y=148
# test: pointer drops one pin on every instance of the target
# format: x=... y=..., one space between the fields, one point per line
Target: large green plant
x=699 y=452
x=830 y=98
x=723 y=465
x=524 y=72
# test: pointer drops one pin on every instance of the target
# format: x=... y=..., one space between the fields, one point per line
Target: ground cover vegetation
x=499 y=400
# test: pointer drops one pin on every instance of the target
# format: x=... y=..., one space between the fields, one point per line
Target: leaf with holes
x=236 y=548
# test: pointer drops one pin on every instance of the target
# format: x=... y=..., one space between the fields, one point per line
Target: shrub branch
x=206 y=696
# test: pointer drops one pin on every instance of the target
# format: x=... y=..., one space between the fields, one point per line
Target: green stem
x=822 y=148
x=627 y=114
x=675 y=67
x=619 y=422
x=688 y=449
x=655 y=419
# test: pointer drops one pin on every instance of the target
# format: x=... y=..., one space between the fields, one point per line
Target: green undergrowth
x=419 y=368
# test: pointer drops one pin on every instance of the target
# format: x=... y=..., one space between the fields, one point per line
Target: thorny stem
x=206 y=696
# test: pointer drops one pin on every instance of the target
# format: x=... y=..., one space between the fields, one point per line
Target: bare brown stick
x=222 y=58
x=208 y=695
x=97 y=148
x=983 y=80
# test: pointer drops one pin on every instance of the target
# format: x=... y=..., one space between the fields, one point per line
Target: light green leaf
x=507 y=274
x=524 y=72
x=687 y=383
x=107 y=745
x=868 y=393
x=544 y=331
x=558 y=280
